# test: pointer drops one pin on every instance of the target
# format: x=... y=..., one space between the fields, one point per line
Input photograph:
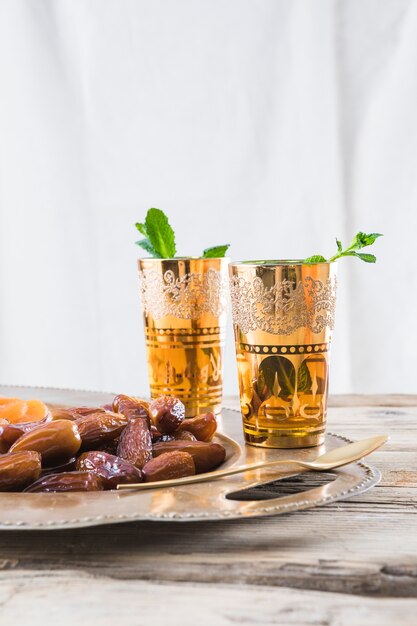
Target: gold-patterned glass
x=283 y=314
x=185 y=310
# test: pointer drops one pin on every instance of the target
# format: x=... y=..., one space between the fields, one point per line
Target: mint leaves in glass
x=159 y=238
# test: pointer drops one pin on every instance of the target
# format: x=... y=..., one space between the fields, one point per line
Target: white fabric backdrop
x=274 y=125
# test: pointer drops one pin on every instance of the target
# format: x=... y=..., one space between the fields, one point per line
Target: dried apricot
x=19 y=411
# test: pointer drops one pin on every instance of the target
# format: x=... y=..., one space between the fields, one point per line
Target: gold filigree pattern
x=284 y=307
x=185 y=297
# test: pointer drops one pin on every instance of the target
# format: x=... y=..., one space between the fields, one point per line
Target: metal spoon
x=330 y=460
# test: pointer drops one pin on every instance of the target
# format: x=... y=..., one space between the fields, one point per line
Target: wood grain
x=68 y=598
x=352 y=562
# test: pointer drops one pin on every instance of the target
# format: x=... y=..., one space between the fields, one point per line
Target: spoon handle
x=202 y=478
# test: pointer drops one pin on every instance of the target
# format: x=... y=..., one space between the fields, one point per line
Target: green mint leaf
x=146 y=245
x=141 y=228
x=357 y=241
x=160 y=233
x=368 y=258
x=361 y=240
x=216 y=252
x=316 y=258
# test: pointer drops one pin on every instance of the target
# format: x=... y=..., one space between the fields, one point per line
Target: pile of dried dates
x=91 y=449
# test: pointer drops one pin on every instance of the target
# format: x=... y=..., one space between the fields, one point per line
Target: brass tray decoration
x=226 y=498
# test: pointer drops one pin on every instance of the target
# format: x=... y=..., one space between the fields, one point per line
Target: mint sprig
x=361 y=240
x=159 y=239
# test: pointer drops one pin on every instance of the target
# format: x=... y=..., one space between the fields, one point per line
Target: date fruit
x=64 y=414
x=100 y=428
x=55 y=441
x=81 y=411
x=73 y=413
x=11 y=432
x=66 y=481
x=135 y=444
x=132 y=408
x=112 y=469
x=202 y=427
x=206 y=456
x=19 y=470
x=8 y=435
x=173 y=464
x=182 y=435
x=166 y=413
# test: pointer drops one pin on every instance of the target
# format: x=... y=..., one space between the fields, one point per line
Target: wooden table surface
x=351 y=562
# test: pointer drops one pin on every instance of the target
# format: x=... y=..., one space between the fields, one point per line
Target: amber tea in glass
x=185 y=310
x=283 y=314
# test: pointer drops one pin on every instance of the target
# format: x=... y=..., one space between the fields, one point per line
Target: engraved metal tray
x=282 y=490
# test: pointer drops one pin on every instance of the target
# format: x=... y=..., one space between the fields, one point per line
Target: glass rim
x=185 y=258
x=277 y=263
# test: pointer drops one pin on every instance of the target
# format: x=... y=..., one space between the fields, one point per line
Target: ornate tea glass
x=283 y=314
x=185 y=310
